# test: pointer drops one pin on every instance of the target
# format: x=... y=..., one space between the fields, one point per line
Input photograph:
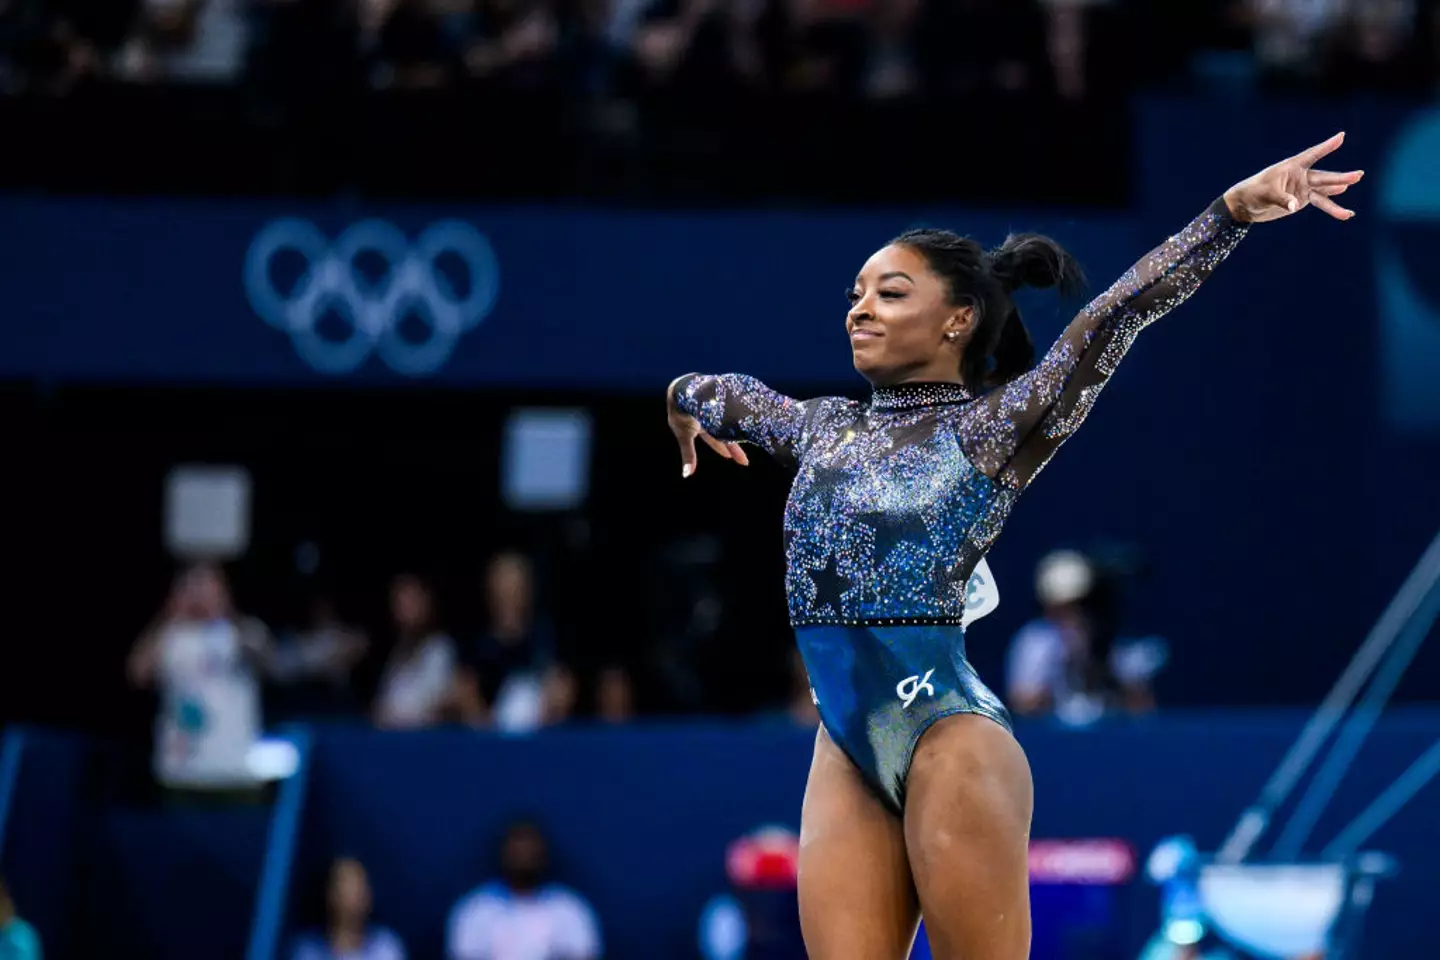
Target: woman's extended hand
x=1292 y=185
x=686 y=429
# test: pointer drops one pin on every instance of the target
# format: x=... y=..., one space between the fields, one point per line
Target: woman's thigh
x=857 y=901
x=968 y=802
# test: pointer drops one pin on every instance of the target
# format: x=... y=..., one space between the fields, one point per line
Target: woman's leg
x=856 y=898
x=968 y=801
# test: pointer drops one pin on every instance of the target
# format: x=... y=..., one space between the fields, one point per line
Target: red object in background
x=768 y=859
x=1101 y=862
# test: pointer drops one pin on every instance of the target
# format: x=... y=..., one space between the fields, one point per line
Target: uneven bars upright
x=1352 y=736
x=1254 y=821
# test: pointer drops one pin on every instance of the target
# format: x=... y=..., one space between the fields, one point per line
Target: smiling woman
x=930 y=287
x=919 y=798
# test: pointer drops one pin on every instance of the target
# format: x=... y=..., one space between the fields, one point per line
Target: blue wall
x=640 y=819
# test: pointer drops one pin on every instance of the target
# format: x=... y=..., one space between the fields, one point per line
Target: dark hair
x=1000 y=348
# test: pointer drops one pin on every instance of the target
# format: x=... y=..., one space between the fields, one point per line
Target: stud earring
x=951 y=335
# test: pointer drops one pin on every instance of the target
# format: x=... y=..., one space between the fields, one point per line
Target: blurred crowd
x=222 y=676
x=877 y=49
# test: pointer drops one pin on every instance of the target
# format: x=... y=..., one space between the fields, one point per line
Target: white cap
x=1063 y=576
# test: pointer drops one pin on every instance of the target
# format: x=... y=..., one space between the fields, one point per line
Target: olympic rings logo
x=373 y=311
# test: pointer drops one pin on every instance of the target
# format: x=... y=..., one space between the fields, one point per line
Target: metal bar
x=1328 y=778
x=285 y=822
x=1255 y=820
x=1385 y=806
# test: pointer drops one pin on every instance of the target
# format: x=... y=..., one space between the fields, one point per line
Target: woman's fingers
x=737 y=453
x=1327 y=178
x=688 y=459
x=1321 y=202
x=1310 y=157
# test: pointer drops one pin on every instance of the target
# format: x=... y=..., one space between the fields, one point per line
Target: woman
x=502 y=676
x=919 y=799
x=205 y=659
x=348 y=933
x=415 y=686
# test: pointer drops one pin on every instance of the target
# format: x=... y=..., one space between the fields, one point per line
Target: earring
x=951 y=335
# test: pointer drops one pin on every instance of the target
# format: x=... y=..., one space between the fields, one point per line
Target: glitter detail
x=895 y=501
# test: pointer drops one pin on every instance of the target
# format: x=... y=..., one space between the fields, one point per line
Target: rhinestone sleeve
x=737 y=407
x=1014 y=431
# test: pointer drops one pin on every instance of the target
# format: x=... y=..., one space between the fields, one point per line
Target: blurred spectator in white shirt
x=415 y=687
x=1060 y=662
x=204 y=658
x=520 y=915
x=348 y=934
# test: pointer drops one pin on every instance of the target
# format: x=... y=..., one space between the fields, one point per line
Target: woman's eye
x=852 y=296
x=891 y=294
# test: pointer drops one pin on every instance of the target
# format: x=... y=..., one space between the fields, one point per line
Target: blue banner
x=249 y=294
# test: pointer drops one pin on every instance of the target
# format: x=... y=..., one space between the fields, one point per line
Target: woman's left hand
x=1292 y=185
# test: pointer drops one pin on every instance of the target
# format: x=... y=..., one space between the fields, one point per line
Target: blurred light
x=1169 y=858
x=207 y=512
x=1184 y=932
x=1063 y=577
x=546 y=459
x=272 y=760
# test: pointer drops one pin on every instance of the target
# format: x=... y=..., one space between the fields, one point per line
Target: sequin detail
x=894 y=501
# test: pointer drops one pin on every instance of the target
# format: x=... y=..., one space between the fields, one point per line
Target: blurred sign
x=207 y=511
x=1081 y=861
x=1407 y=247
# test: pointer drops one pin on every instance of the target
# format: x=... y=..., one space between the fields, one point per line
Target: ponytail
x=1000 y=349
x=1025 y=260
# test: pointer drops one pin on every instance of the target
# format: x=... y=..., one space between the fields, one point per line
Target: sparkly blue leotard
x=894 y=502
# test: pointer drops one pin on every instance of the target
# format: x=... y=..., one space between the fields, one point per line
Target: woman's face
x=410 y=604
x=508 y=585
x=900 y=315
x=349 y=890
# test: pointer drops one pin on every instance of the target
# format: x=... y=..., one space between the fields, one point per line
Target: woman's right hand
x=686 y=429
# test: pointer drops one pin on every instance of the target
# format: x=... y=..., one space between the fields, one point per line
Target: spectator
x=205 y=658
x=416 y=683
x=894 y=70
x=1295 y=40
x=18 y=940
x=508 y=675
x=348 y=934
x=559 y=693
x=1382 y=50
x=614 y=695
x=515 y=44
x=314 y=665
x=196 y=41
x=522 y=916
x=407 y=42
x=1064 y=661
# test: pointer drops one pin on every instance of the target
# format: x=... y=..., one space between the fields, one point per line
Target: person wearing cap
x=1060 y=663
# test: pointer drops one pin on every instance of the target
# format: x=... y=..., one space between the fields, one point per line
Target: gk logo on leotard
x=910 y=688
x=411 y=315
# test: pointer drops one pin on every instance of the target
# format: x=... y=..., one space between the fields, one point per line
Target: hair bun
x=1030 y=260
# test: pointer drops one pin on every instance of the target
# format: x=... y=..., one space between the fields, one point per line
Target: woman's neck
x=347 y=936
x=510 y=626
